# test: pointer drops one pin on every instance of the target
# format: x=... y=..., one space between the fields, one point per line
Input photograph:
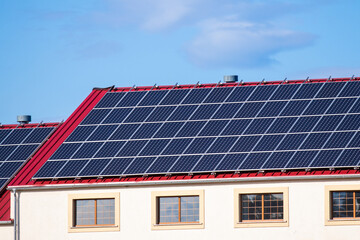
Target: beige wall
x=44 y=214
x=6 y=232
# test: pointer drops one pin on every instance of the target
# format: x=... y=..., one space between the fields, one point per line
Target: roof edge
x=222 y=84
x=29 y=125
x=57 y=138
x=178 y=182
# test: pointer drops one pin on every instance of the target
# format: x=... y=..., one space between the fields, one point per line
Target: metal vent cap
x=24 y=119
x=230 y=78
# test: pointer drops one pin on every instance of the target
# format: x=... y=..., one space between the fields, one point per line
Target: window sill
x=177 y=224
x=339 y=222
x=262 y=224
x=81 y=227
x=84 y=229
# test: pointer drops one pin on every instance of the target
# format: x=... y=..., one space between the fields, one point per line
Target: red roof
x=24 y=177
x=5 y=195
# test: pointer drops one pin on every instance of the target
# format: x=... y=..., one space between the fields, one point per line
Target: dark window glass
x=345 y=204
x=261 y=207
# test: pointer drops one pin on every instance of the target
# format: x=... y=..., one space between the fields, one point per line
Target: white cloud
x=334 y=72
x=230 y=42
x=150 y=15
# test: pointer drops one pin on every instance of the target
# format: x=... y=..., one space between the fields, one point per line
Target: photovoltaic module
x=214 y=129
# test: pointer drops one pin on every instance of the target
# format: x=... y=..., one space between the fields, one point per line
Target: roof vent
x=24 y=119
x=230 y=78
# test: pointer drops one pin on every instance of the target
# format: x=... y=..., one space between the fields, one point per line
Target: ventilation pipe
x=24 y=119
x=230 y=78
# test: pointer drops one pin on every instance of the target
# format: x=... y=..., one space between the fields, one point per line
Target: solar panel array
x=220 y=129
x=16 y=146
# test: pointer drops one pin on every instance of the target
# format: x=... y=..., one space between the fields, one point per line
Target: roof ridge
x=221 y=84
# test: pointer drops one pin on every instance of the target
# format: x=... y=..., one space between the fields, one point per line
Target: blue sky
x=52 y=53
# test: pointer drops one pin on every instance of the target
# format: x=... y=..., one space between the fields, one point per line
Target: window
x=93 y=212
x=342 y=205
x=261 y=207
x=177 y=210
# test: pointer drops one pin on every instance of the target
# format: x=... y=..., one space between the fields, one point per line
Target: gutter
x=6 y=222
x=178 y=182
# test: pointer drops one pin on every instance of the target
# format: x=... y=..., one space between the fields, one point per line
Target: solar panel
x=16 y=146
x=286 y=126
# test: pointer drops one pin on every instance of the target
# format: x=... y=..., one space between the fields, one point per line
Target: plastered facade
x=44 y=214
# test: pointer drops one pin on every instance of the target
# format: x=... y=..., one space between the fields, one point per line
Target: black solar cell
x=153 y=98
x=103 y=132
x=162 y=164
x=131 y=99
x=208 y=163
x=185 y=163
x=240 y=94
x=110 y=100
x=161 y=114
x=139 y=165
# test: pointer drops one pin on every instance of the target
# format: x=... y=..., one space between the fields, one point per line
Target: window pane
x=342 y=205
x=168 y=209
x=273 y=206
x=251 y=208
x=85 y=212
x=190 y=209
x=105 y=211
x=357 y=204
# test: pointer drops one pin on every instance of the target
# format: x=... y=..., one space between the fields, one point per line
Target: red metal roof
x=25 y=175
x=5 y=195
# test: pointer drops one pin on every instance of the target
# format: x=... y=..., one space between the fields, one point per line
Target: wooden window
x=179 y=209
x=94 y=212
x=261 y=207
x=345 y=204
x=91 y=212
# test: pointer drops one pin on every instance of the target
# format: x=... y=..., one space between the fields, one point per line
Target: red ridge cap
x=29 y=125
x=211 y=85
x=58 y=137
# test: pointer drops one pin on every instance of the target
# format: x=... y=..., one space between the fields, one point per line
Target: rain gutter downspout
x=15 y=214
